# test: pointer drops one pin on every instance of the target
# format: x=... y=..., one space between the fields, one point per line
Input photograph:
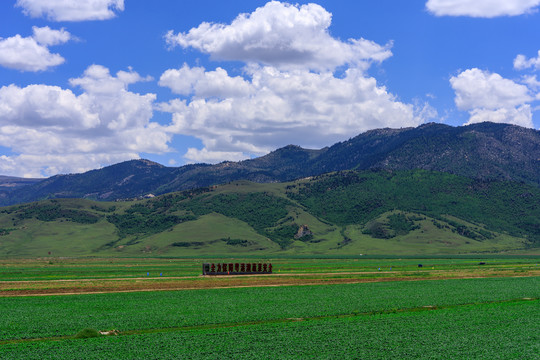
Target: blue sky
x=89 y=84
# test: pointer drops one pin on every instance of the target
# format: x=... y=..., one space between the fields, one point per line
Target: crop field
x=90 y=275
x=472 y=332
x=310 y=308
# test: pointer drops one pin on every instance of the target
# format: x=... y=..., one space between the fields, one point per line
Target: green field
x=486 y=311
x=52 y=268
x=473 y=331
x=31 y=317
x=475 y=318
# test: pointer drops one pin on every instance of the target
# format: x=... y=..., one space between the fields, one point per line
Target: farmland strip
x=278 y=321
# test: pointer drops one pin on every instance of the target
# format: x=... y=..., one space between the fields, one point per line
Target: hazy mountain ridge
x=485 y=151
x=9 y=183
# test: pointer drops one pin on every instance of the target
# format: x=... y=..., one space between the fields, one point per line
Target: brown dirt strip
x=199 y=276
x=359 y=273
x=219 y=282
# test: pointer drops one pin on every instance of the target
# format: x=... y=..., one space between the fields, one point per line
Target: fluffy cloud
x=490 y=97
x=47 y=36
x=521 y=62
x=196 y=81
x=532 y=82
x=281 y=35
x=278 y=108
x=62 y=10
x=43 y=106
x=52 y=130
x=32 y=53
x=481 y=8
x=194 y=155
x=476 y=88
x=520 y=115
x=289 y=92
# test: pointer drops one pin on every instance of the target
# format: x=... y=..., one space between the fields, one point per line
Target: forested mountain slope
x=484 y=151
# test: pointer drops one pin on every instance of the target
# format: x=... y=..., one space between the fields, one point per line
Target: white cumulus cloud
x=490 y=97
x=520 y=115
x=43 y=106
x=47 y=36
x=66 y=10
x=200 y=83
x=521 y=62
x=532 y=82
x=289 y=91
x=280 y=107
x=281 y=35
x=482 y=8
x=119 y=108
x=51 y=130
x=32 y=53
x=194 y=155
x=477 y=88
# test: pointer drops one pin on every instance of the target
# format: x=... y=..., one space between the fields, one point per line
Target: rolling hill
x=484 y=151
x=340 y=213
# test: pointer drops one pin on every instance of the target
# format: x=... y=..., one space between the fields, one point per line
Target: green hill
x=343 y=213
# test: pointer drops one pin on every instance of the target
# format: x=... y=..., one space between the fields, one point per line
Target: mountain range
x=434 y=189
x=485 y=151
